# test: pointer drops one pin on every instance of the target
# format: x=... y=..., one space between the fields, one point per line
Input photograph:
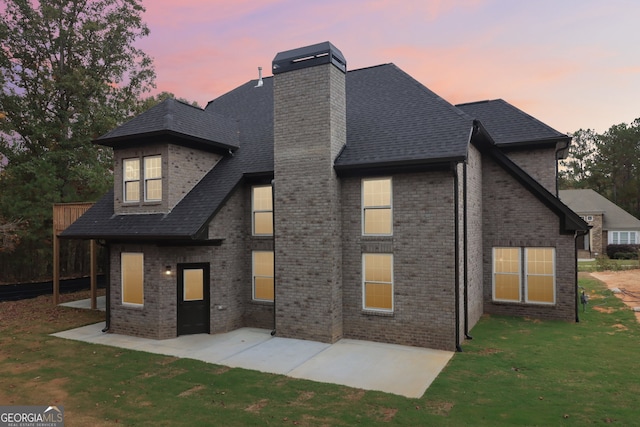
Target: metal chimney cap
x=309 y=56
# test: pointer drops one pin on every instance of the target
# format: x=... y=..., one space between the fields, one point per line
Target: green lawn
x=514 y=372
x=602 y=264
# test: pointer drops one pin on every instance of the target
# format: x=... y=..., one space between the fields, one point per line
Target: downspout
x=577 y=235
x=456 y=188
x=273 y=225
x=465 y=231
x=107 y=274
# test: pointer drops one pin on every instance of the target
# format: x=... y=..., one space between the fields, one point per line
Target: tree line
x=70 y=72
x=608 y=163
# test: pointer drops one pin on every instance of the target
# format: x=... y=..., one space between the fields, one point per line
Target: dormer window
x=152 y=172
x=131 y=174
x=152 y=178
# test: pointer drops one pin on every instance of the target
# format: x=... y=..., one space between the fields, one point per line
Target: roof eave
x=138 y=238
x=536 y=143
x=416 y=165
x=145 y=138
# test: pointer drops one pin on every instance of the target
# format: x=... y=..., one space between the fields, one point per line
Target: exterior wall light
x=167 y=270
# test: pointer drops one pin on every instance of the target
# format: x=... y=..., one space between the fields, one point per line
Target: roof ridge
x=486 y=101
x=522 y=112
x=167 y=118
x=252 y=83
x=437 y=97
x=184 y=102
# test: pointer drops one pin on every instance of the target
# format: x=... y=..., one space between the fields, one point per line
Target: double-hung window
x=262 y=210
x=377 y=207
x=540 y=275
x=524 y=275
x=150 y=189
x=506 y=274
x=132 y=266
x=152 y=178
x=377 y=273
x=263 y=275
x=131 y=178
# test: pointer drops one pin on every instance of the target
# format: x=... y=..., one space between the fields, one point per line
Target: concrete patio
x=402 y=370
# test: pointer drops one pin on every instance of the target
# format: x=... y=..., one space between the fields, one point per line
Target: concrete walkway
x=86 y=303
x=402 y=370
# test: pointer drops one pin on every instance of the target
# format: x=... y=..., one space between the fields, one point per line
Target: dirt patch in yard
x=607 y=310
x=489 y=351
x=627 y=281
x=39 y=315
x=192 y=390
x=24 y=326
x=257 y=407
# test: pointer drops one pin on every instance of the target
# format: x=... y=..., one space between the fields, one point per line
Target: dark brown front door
x=193 y=298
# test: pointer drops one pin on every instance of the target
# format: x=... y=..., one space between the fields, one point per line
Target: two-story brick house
x=324 y=204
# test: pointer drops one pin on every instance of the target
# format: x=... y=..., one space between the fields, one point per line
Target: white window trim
x=145 y=179
x=124 y=180
x=526 y=281
x=254 y=211
x=130 y=304
x=493 y=274
x=364 y=208
x=617 y=233
x=522 y=276
x=253 y=278
x=364 y=281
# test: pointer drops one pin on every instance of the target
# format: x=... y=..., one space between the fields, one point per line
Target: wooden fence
x=64 y=214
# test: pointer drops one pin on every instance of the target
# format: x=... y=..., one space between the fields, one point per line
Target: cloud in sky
x=572 y=64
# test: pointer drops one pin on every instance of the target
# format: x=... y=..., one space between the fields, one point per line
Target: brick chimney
x=309 y=132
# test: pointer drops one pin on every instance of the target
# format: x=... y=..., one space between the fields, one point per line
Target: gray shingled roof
x=252 y=109
x=586 y=202
x=206 y=129
x=392 y=120
x=509 y=125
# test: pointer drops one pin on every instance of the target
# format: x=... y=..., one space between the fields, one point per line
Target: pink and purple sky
x=570 y=63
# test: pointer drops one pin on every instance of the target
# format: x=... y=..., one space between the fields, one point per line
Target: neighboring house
x=324 y=204
x=610 y=224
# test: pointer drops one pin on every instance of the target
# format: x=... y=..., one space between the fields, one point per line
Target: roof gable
x=510 y=126
x=569 y=221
